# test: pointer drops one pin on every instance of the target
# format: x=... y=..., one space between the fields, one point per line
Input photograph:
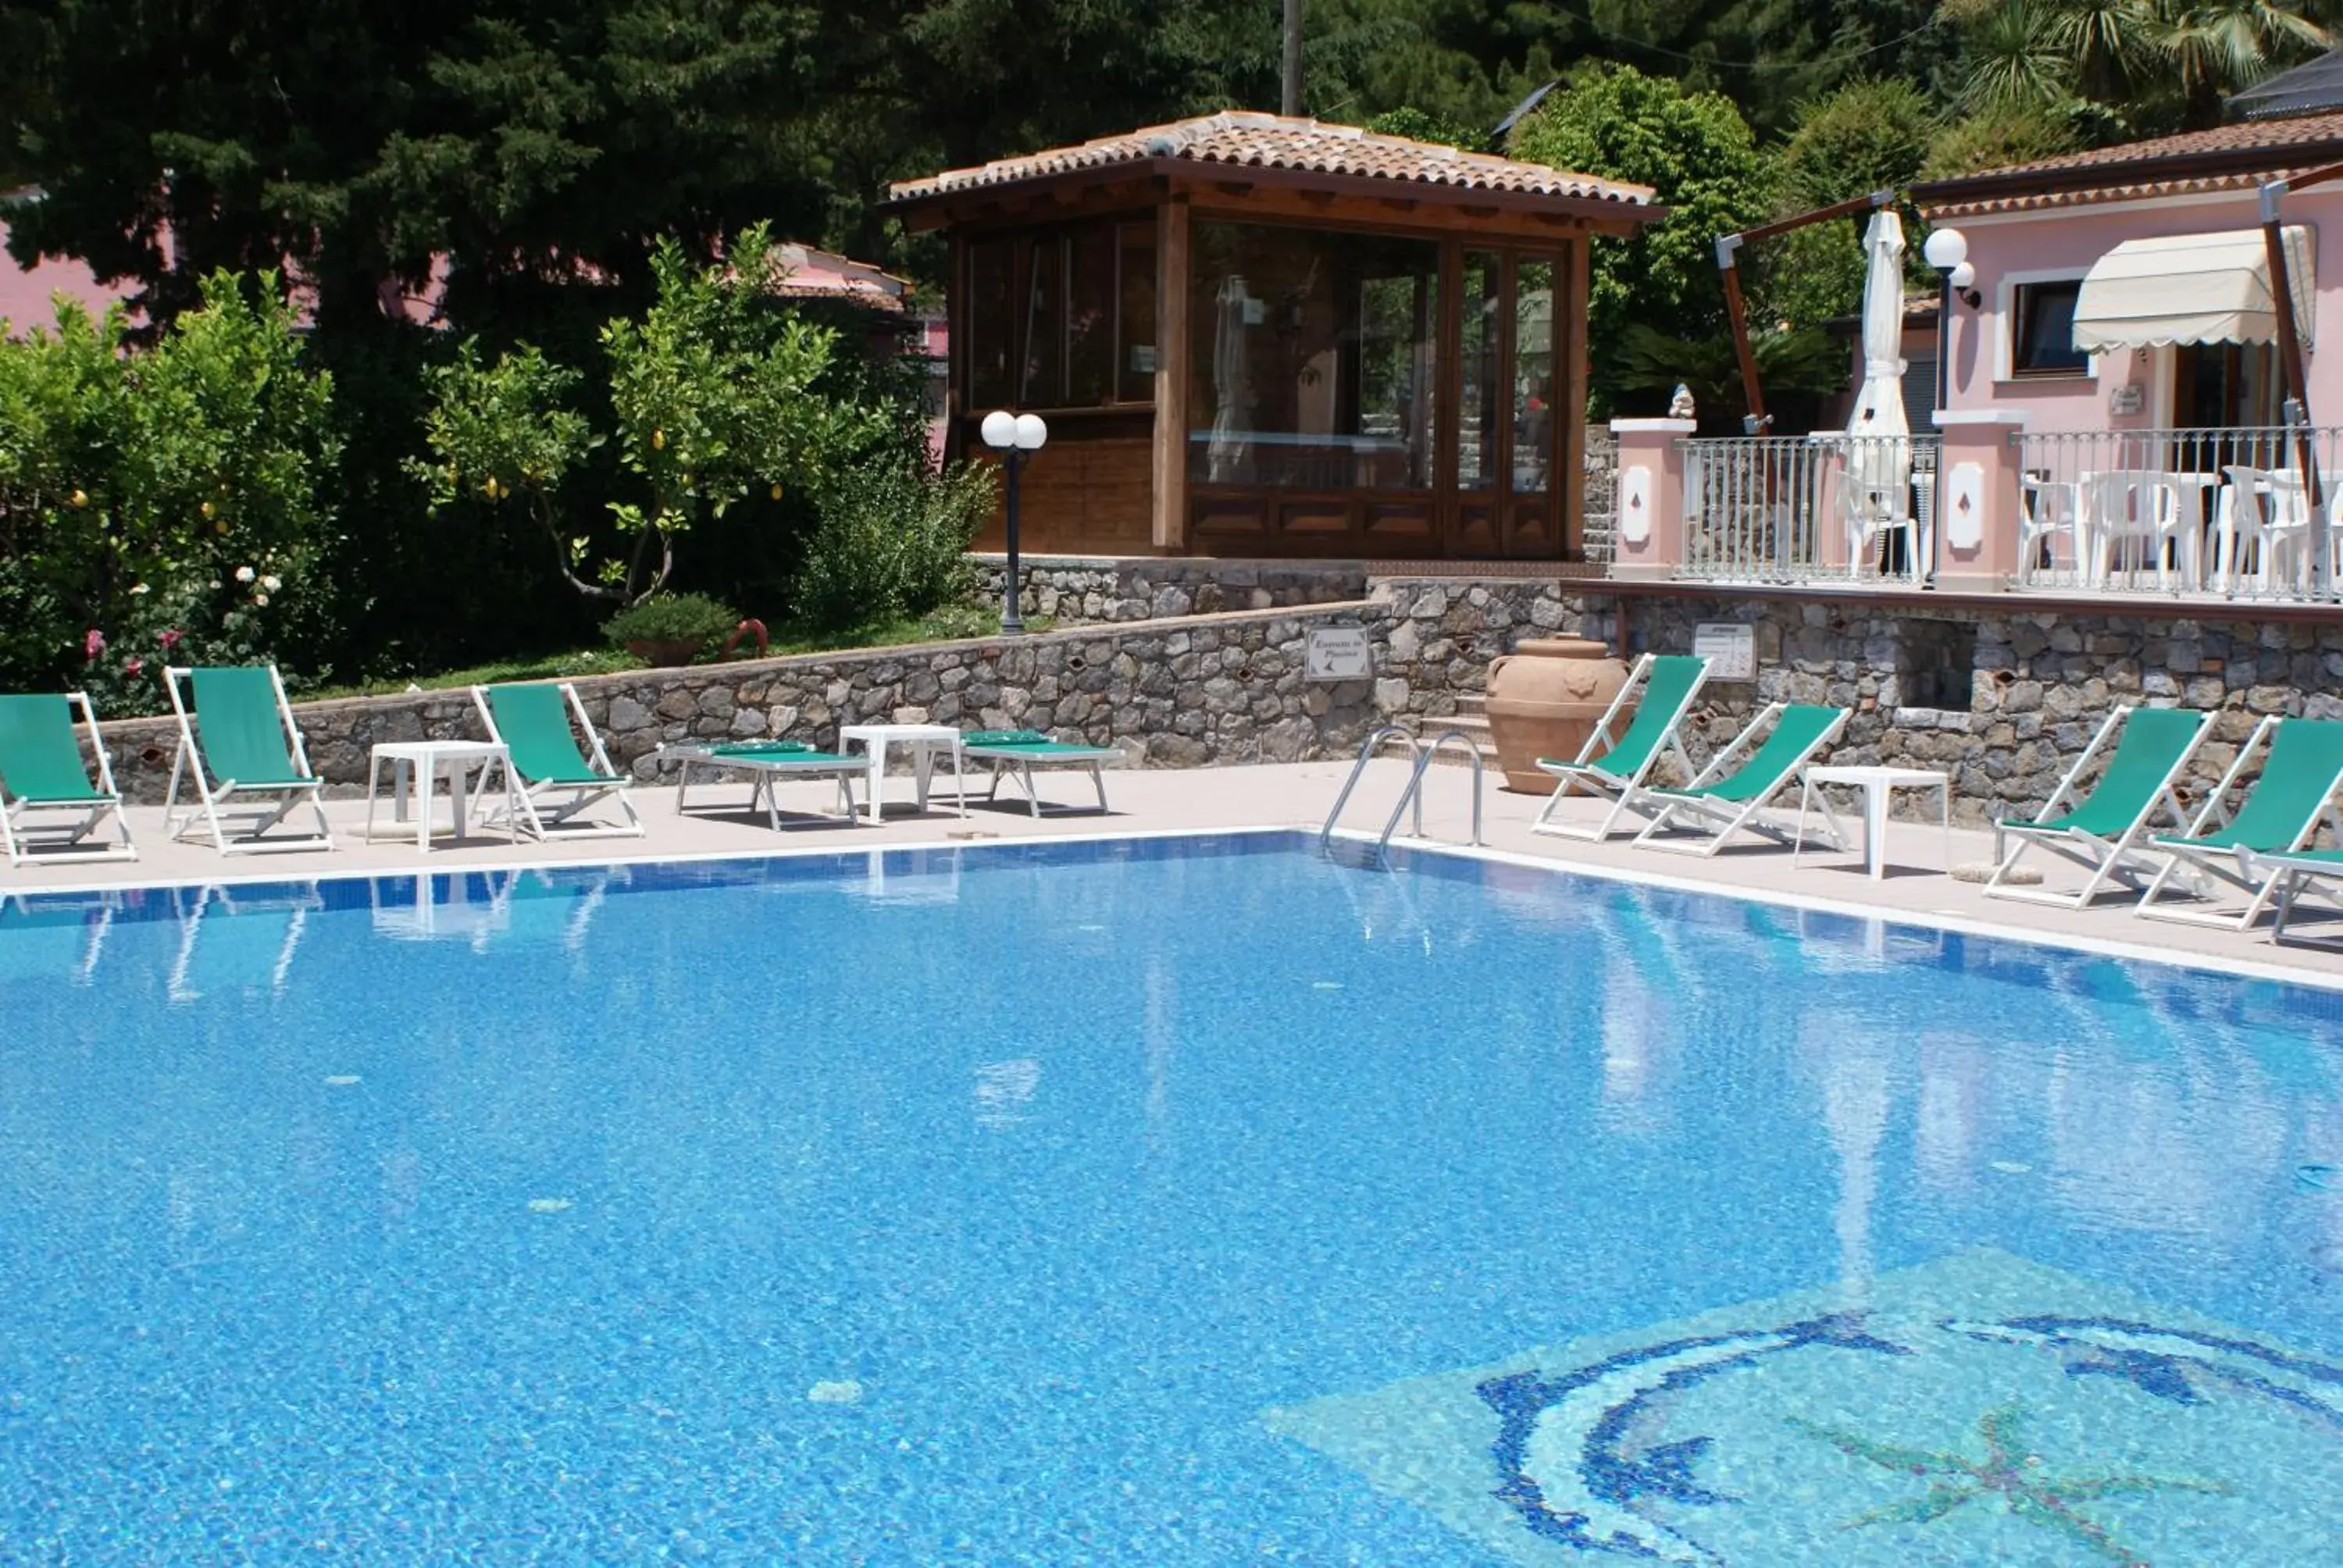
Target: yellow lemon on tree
x=206 y=509
x=777 y=492
x=658 y=440
x=80 y=497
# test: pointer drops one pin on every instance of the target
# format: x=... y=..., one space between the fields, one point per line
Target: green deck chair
x=1662 y=687
x=559 y=783
x=767 y=762
x=2105 y=832
x=1017 y=752
x=1718 y=803
x=237 y=738
x=42 y=775
x=2292 y=799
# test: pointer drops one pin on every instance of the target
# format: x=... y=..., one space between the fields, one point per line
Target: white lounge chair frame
x=1630 y=793
x=2125 y=862
x=2291 y=877
x=2234 y=867
x=1023 y=771
x=1726 y=819
x=55 y=843
x=543 y=814
x=214 y=796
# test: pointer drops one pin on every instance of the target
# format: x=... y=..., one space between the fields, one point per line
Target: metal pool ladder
x=1413 y=796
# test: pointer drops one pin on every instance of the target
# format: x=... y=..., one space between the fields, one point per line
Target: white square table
x=1877 y=785
x=427 y=761
x=922 y=741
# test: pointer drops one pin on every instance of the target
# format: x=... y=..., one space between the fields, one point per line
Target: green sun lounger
x=237 y=741
x=1729 y=797
x=2293 y=799
x=1662 y=687
x=41 y=776
x=561 y=782
x=1017 y=752
x=2105 y=832
x=766 y=762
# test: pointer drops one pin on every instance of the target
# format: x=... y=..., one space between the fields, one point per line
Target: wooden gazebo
x=1253 y=336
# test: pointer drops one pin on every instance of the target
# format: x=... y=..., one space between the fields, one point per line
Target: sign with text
x=1338 y=653
x=1730 y=649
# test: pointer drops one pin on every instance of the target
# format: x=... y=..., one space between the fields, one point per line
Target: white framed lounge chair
x=1621 y=754
x=1015 y=753
x=2105 y=832
x=2317 y=873
x=2301 y=768
x=41 y=776
x=560 y=783
x=1732 y=794
x=240 y=749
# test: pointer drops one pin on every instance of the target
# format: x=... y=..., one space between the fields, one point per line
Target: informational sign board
x=1338 y=653
x=1730 y=649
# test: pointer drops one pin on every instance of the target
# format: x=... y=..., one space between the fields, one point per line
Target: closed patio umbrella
x=1232 y=385
x=1879 y=462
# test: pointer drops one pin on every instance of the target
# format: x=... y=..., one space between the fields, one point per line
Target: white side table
x=922 y=741
x=1877 y=785
x=424 y=762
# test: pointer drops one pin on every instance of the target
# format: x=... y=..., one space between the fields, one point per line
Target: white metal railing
x=2206 y=512
x=1794 y=508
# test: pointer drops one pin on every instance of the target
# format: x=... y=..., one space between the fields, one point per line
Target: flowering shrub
x=164 y=504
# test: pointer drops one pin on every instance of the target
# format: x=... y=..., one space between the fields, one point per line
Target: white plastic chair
x=2143 y=508
x=2051 y=510
x=2266 y=509
x=1874 y=499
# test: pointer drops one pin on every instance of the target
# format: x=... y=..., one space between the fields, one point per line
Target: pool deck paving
x=1915 y=888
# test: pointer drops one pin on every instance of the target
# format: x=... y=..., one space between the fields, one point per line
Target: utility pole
x=1291 y=104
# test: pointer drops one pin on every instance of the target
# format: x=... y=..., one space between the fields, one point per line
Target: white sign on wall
x=1730 y=648
x=1338 y=653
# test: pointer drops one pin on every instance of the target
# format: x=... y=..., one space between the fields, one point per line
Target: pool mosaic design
x=1178 y=1202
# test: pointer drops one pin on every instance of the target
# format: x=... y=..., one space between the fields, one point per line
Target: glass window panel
x=2045 y=330
x=1042 y=383
x=1312 y=358
x=1090 y=318
x=991 y=321
x=1533 y=382
x=1476 y=442
x=1138 y=336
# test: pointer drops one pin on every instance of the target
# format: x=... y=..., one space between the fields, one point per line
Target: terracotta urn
x=1545 y=698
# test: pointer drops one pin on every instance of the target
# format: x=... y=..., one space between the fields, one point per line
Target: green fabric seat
x=43 y=777
x=237 y=739
x=2302 y=766
x=241 y=730
x=533 y=722
x=1801 y=728
x=759 y=749
x=2154 y=740
x=1668 y=689
x=2299 y=777
x=40 y=757
x=1029 y=743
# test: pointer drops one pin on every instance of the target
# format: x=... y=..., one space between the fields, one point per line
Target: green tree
x=1870 y=134
x=1697 y=153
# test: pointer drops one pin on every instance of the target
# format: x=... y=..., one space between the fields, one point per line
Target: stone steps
x=1470 y=719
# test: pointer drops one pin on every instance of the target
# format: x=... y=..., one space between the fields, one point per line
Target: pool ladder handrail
x=1413 y=796
x=1367 y=749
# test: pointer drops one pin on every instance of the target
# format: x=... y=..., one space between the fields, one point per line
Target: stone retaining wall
x=2002 y=699
x=1087 y=590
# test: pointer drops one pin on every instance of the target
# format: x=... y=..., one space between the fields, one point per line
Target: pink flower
x=92 y=644
x=133 y=665
x=172 y=638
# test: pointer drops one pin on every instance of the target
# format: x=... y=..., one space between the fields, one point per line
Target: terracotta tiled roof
x=2226 y=157
x=1242 y=139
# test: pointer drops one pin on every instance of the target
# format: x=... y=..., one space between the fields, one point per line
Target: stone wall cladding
x=1201 y=690
x=1088 y=590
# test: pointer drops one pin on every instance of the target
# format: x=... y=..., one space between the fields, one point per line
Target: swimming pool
x=1177 y=1201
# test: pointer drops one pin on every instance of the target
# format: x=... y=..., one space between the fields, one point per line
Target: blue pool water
x=1175 y=1202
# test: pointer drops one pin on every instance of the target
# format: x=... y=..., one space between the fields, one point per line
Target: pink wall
x=25 y=295
x=2068 y=241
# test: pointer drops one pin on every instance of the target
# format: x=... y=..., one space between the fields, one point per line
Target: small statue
x=1680 y=405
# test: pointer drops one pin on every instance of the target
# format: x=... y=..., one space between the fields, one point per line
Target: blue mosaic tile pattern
x=972 y=1207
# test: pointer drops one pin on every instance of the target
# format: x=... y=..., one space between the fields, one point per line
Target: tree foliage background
x=548 y=151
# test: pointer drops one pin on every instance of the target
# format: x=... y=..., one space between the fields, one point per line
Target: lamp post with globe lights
x=1016 y=436
x=1947 y=250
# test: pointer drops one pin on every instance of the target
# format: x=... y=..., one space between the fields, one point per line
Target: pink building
x=27 y=294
